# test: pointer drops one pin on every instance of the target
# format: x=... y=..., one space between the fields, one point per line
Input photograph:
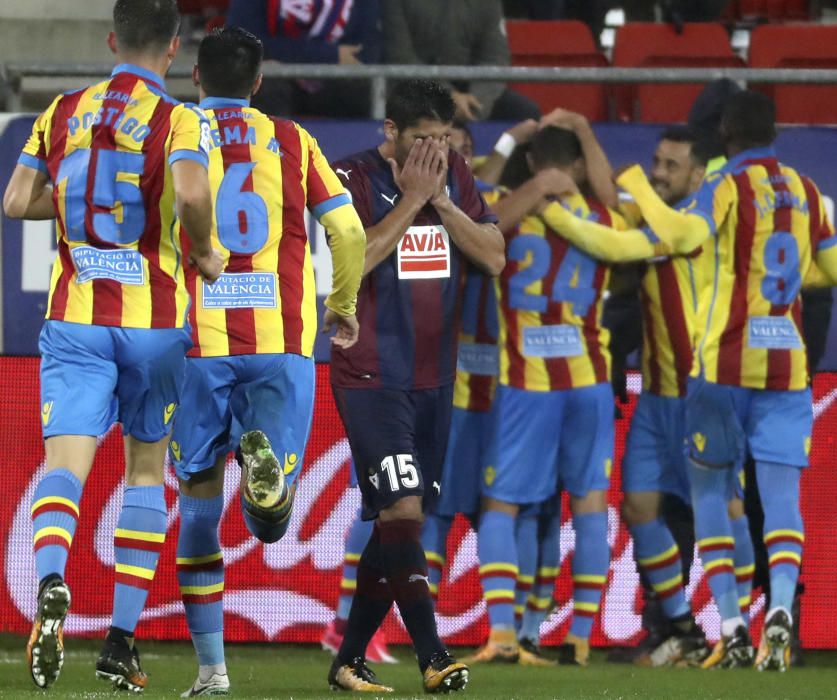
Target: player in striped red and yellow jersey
x=767 y=225
x=553 y=411
x=250 y=377
x=116 y=163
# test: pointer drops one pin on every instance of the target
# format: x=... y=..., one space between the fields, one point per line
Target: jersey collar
x=736 y=162
x=142 y=73
x=221 y=102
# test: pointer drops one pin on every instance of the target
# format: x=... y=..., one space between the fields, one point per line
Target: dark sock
x=405 y=567
x=371 y=603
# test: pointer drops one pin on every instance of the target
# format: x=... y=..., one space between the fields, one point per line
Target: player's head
x=461 y=140
x=147 y=28
x=749 y=121
x=417 y=109
x=554 y=147
x=679 y=164
x=229 y=64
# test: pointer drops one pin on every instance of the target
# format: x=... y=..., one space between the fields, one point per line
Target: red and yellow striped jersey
x=550 y=296
x=668 y=300
x=768 y=221
x=477 y=362
x=264 y=172
x=107 y=150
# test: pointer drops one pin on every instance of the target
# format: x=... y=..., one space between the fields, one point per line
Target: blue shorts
x=723 y=421
x=92 y=376
x=545 y=438
x=655 y=453
x=470 y=435
x=224 y=397
x=398 y=440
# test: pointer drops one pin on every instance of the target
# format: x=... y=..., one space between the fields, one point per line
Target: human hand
x=347 y=54
x=553 y=182
x=564 y=119
x=418 y=177
x=524 y=131
x=347 y=329
x=210 y=264
x=441 y=191
x=468 y=107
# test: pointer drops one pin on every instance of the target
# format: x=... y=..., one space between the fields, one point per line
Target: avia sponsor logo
x=123 y=266
x=232 y=290
x=424 y=253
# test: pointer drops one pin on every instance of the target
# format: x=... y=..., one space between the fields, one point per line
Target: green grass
x=284 y=671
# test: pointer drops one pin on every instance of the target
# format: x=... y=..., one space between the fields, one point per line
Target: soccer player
x=553 y=412
x=250 y=375
x=118 y=163
x=749 y=385
x=424 y=219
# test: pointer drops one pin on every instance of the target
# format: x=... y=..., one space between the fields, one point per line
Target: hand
x=441 y=191
x=468 y=107
x=564 y=119
x=419 y=176
x=347 y=54
x=347 y=331
x=523 y=132
x=553 y=182
x=209 y=265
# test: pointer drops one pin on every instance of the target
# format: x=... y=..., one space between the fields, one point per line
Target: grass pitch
x=283 y=671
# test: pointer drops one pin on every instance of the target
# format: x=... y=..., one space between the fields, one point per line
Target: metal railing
x=12 y=75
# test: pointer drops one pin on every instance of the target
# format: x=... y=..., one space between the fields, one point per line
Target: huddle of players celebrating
x=216 y=356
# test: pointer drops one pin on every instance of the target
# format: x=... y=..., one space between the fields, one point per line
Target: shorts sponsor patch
x=772 y=333
x=424 y=253
x=119 y=265
x=478 y=358
x=234 y=290
x=562 y=340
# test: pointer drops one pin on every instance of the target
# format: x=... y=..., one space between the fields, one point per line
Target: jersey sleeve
x=821 y=227
x=34 y=152
x=325 y=191
x=354 y=179
x=470 y=199
x=190 y=135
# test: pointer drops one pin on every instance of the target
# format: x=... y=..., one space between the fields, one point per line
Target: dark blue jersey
x=408 y=306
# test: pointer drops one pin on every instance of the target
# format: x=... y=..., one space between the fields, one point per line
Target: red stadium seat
x=196 y=7
x=798 y=46
x=558 y=44
x=771 y=10
x=645 y=44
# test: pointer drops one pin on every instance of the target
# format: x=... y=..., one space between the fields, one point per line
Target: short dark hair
x=699 y=152
x=141 y=25
x=413 y=100
x=229 y=61
x=749 y=120
x=553 y=145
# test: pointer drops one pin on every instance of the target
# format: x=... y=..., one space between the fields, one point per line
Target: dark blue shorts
x=398 y=440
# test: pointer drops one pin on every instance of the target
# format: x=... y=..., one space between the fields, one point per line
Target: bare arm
x=517 y=205
x=482 y=244
x=382 y=238
x=492 y=168
x=193 y=200
x=28 y=195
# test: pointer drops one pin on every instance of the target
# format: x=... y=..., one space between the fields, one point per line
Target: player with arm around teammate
x=116 y=163
x=424 y=218
x=250 y=376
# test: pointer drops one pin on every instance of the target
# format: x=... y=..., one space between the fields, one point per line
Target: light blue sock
x=138 y=541
x=783 y=529
x=714 y=536
x=356 y=540
x=659 y=558
x=498 y=566
x=434 y=540
x=55 y=511
x=540 y=599
x=526 y=537
x=745 y=564
x=200 y=573
x=590 y=564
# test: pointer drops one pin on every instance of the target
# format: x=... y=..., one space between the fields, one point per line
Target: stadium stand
x=645 y=44
x=558 y=43
x=770 y=10
x=797 y=46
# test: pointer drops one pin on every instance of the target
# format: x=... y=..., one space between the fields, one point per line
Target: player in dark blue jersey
x=424 y=217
